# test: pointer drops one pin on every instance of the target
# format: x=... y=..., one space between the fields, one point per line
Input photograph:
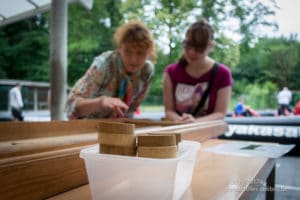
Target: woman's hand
x=113 y=103
x=184 y=118
x=187 y=118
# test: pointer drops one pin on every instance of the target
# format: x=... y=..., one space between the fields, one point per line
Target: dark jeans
x=283 y=107
x=245 y=113
x=17 y=114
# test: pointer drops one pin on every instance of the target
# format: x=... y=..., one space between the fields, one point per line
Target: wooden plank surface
x=27 y=130
x=38 y=145
x=218 y=176
x=148 y=122
x=215 y=176
x=39 y=176
x=41 y=159
x=186 y=128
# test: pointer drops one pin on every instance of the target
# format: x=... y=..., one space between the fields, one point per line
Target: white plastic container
x=125 y=177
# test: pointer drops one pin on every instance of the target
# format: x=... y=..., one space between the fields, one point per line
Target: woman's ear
x=212 y=45
x=118 y=49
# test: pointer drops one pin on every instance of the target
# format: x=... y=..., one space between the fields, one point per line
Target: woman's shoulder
x=148 y=67
x=101 y=60
x=224 y=68
x=147 y=71
x=173 y=67
x=224 y=74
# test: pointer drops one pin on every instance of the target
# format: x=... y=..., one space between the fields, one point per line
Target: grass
x=152 y=108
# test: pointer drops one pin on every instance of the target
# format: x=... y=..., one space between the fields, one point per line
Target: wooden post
x=58 y=58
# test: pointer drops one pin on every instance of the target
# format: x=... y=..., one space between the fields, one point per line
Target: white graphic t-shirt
x=189 y=96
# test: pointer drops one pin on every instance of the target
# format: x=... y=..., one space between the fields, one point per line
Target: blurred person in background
x=284 y=98
x=16 y=102
x=297 y=108
x=242 y=110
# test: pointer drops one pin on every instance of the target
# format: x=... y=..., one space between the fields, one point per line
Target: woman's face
x=133 y=57
x=194 y=53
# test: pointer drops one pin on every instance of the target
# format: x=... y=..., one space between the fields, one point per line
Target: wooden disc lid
x=116 y=127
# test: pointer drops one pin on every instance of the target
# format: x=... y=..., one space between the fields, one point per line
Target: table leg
x=270 y=192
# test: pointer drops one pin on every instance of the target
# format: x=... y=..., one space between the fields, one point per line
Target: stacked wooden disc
x=157 y=146
x=117 y=138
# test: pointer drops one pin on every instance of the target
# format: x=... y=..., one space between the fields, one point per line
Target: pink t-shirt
x=187 y=90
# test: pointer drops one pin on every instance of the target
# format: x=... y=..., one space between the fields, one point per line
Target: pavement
x=287 y=179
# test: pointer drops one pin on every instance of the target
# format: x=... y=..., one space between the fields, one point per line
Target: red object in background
x=138 y=111
x=297 y=108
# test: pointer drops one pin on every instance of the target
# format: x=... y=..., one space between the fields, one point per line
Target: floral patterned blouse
x=106 y=77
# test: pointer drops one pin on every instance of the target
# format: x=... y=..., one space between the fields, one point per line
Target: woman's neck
x=197 y=69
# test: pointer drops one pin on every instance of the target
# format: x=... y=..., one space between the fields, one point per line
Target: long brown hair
x=199 y=34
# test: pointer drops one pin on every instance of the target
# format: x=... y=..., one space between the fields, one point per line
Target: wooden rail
x=41 y=159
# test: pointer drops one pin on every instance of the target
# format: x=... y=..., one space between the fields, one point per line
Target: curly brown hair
x=136 y=33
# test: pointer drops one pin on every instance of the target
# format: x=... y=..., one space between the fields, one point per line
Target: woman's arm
x=168 y=99
x=82 y=100
x=87 y=106
x=222 y=102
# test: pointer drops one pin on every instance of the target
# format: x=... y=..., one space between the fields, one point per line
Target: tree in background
x=90 y=34
x=24 y=50
x=271 y=59
x=272 y=63
x=25 y=44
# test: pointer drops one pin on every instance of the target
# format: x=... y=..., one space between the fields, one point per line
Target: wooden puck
x=117 y=139
x=157 y=152
x=117 y=150
x=156 y=140
x=178 y=137
x=116 y=127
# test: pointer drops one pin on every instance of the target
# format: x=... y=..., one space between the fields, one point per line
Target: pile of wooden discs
x=120 y=139
x=155 y=142
x=117 y=138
